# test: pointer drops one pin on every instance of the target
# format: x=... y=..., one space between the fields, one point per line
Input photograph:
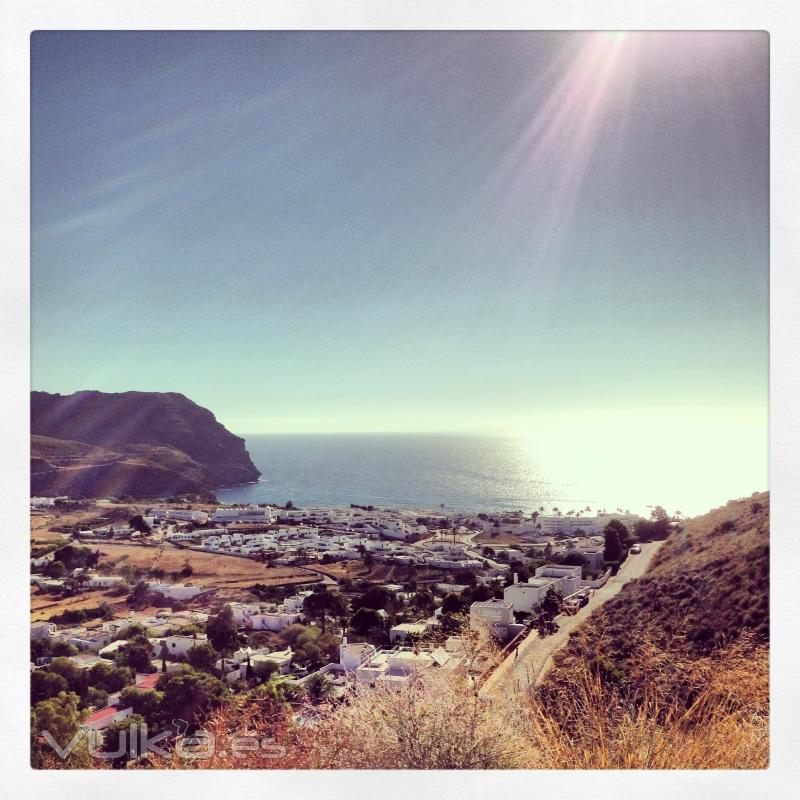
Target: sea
x=457 y=472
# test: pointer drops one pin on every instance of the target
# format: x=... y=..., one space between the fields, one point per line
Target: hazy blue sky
x=404 y=231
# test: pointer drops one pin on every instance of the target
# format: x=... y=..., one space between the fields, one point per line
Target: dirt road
x=535 y=656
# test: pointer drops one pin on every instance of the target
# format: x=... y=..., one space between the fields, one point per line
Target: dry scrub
x=719 y=720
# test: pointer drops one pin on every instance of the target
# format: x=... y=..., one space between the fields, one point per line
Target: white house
x=593 y=556
x=176 y=591
x=103 y=581
x=110 y=649
x=281 y=658
x=524 y=597
x=398 y=633
x=42 y=630
x=274 y=620
x=252 y=514
x=491 y=614
x=176 y=645
x=351 y=656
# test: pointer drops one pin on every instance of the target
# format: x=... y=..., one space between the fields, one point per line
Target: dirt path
x=535 y=657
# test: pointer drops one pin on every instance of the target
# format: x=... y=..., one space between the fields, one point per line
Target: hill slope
x=706 y=592
x=137 y=443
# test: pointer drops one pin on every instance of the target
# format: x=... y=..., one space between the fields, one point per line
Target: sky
x=468 y=231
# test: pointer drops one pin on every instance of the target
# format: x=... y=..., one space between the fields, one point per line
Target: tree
x=551 y=605
x=465 y=577
x=132 y=633
x=623 y=535
x=117 y=739
x=321 y=604
x=138 y=524
x=612 y=549
x=318 y=688
x=75 y=677
x=271 y=697
x=376 y=597
x=96 y=697
x=366 y=620
x=109 y=678
x=422 y=602
x=263 y=669
x=574 y=560
x=202 y=656
x=45 y=684
x=55 y=569
x=138 y=597
x=221 y=631
x=144 y=702
x=137 y=656
x=451 y=623
x=59 y=716
x=453 y=604
x=186 y=570
x=189 y=695
x=312 y=648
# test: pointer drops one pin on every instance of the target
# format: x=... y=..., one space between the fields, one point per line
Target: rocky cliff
x=144 y=444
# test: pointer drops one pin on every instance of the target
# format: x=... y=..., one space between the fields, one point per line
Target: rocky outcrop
x=144 y=444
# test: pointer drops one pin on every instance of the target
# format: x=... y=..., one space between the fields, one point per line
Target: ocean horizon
x=458 y=472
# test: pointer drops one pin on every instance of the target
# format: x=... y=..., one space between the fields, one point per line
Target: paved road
x=536 y=654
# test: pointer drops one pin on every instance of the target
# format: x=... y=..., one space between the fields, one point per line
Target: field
x=379 y=572
x=505 y=539
x=45 y=523
x=208 y=569
x=44 y=606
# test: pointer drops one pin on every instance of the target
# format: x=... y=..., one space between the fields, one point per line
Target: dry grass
x=438 y=722
x=709 y=713
x=44 y=606
x=485 y=538
x=209 y=569
x=379 y=572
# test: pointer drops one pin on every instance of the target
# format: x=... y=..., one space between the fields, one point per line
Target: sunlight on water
x=683 y=461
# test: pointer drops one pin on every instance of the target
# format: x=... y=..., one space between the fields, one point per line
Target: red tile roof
x=103 y=713
x=147 y=681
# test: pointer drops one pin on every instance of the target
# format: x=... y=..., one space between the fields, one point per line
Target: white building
x=253 y=514
x=525 y=597
x=274 y=620
x=110 y=649
x=176 y=645
x=176 y=591
x=42 y=630
x=103 y=581
x=352 y=656
x=400 y=632
x=491 y=614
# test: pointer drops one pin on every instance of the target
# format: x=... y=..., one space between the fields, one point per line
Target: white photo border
x=778 y=18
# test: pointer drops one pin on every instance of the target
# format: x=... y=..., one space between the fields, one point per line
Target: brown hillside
x=707 y=589
x=143 y=444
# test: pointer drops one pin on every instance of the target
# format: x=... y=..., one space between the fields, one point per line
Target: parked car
x=636 y=548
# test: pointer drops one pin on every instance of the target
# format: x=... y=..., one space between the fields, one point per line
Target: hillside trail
x=534 y=657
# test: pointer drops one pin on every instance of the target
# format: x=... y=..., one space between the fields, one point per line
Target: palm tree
x=318 y=687
x=291 y=692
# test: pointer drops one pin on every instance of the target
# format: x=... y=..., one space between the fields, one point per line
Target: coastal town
x=130 y=598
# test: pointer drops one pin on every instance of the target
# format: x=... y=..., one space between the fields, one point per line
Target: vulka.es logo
x=135 y=742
